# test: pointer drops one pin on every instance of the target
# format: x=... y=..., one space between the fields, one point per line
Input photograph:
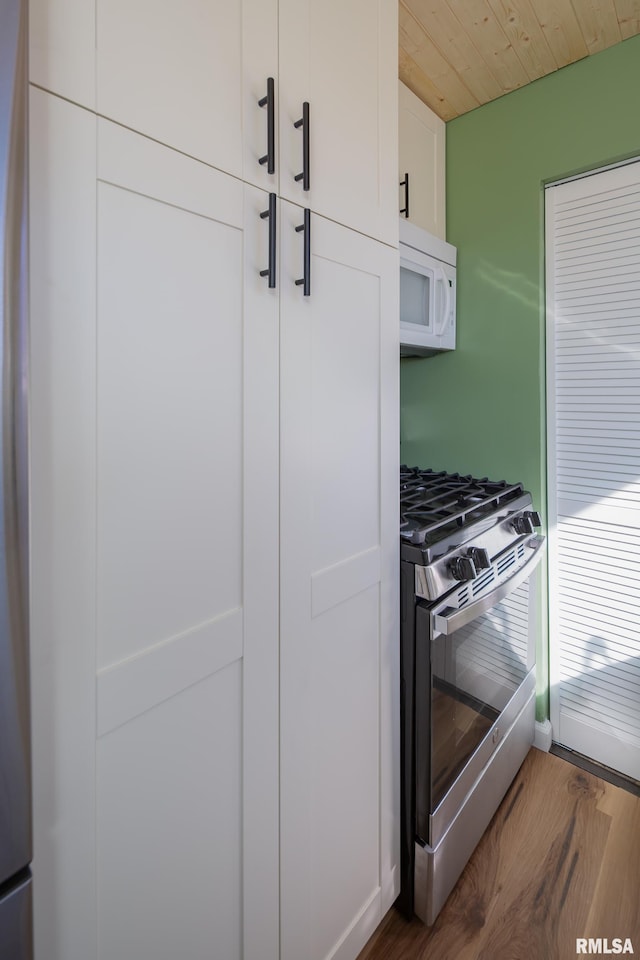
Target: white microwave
x=427 y=292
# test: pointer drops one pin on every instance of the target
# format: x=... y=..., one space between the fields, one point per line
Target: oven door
x=475 y=668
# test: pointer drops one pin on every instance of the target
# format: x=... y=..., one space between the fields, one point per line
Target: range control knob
x=480 y=558
x=463 y=568
x=523 y=524
x=534 y=516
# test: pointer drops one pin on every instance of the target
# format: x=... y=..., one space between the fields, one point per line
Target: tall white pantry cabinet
x=213 y=478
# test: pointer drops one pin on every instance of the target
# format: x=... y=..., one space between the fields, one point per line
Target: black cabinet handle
x=405 y=183
x=269 y=101
x=270 y=215
x=304 y=123
x=306 y=279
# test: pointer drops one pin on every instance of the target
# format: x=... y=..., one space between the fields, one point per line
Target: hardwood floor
x=559 y=861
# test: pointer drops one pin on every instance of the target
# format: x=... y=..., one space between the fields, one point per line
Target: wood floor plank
x=560 y=860
x=615 y=908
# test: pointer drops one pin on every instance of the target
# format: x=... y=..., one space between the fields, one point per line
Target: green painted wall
x=481 y=409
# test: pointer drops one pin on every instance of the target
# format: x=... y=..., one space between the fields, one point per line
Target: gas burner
x=437 y=505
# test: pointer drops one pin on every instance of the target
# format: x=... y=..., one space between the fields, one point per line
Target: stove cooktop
x=439 y=509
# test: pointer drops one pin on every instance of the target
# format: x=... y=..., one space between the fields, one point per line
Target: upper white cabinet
x=422 y=158
x=340 y=58
x=189 y=75
x=192 y=76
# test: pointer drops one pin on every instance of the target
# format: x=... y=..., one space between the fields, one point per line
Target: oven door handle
x=460 y=618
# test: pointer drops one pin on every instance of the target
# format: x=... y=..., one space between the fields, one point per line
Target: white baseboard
x=543 y=735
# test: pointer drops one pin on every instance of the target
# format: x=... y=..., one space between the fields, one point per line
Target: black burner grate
x=433 y=505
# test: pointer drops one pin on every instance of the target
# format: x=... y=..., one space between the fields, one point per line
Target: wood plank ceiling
x=458 y=54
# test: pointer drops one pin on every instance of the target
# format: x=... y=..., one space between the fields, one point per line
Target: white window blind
x=593 y=403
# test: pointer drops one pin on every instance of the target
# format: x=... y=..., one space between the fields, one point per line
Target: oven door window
x=474 y=673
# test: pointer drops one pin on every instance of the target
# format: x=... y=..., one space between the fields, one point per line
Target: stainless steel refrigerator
x=15 y=782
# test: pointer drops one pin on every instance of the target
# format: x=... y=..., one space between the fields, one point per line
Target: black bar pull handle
x=405 y=183
x=304 y=123
x=270 y=215
x=270 y=102
x=306 y=279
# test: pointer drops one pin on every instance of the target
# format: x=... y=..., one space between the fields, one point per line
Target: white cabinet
x=167 y=696
x=341 y=58
x=191 y=76
x=154 y=412
x=422 y=157
x=214 y=483
x=338 y=582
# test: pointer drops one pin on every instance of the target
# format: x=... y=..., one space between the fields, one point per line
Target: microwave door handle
x=428 y=301
x=444 y=280
x=464 y=616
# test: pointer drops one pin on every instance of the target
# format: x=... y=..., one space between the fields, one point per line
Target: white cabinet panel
x=422 y=139
x=344 y=771
x=169 y=421
x=62 y=522
x=169 y=874
x=338 y=587
x=345 y=410
x=350 y=88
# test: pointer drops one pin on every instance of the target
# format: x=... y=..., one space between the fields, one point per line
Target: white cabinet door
x=422 y=157
x=342 y=59
x=339 y=488
x=187 y=555
x=190 y=75
x=173 y=388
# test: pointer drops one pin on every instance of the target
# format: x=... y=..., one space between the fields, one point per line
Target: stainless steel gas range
x=468 y=549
